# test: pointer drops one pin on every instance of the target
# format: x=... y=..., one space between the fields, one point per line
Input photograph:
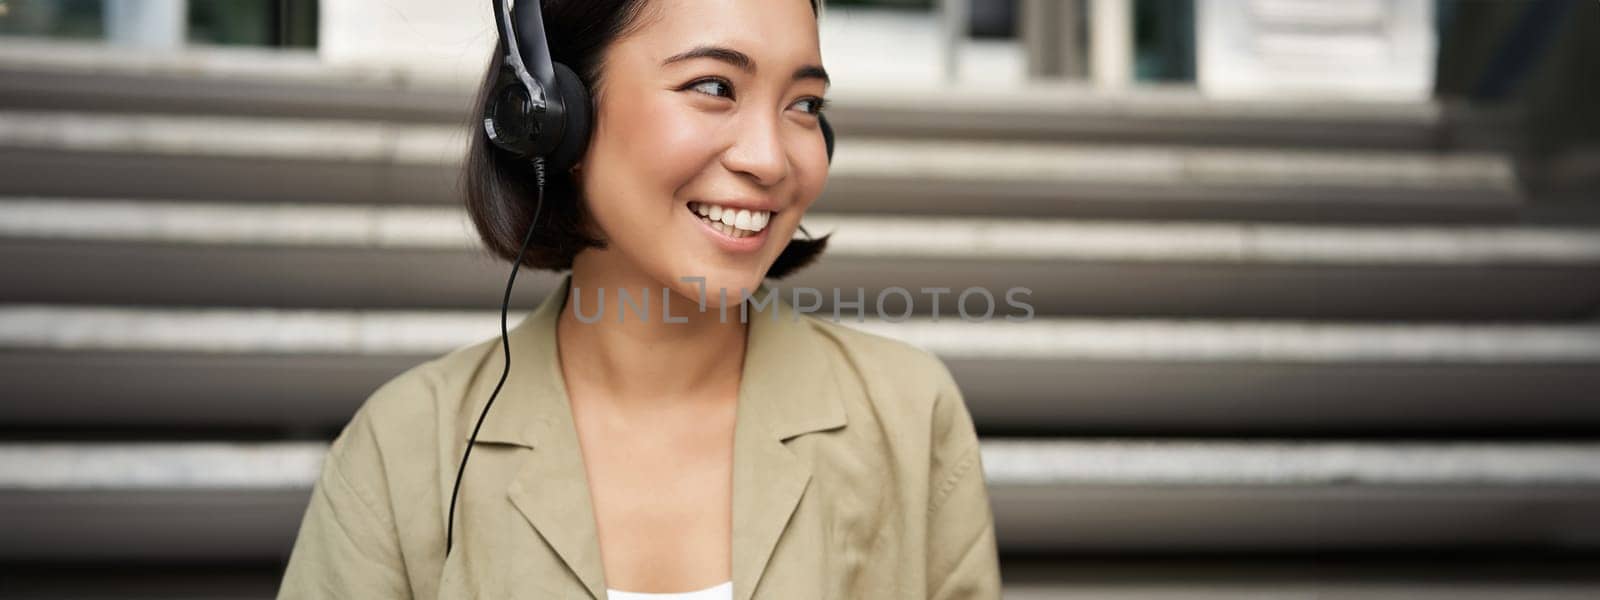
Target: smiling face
x=706 y=109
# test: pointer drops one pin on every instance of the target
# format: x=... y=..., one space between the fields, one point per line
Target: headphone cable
x=505 y=346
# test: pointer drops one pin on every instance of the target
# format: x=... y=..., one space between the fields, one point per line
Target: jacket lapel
x=550 y=488
x=787 y=389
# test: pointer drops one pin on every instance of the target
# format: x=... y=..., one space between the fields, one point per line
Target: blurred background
x=1317 y=284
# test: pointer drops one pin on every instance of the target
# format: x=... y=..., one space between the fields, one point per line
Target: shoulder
x=902 y=365
x=399 y=420
x=417 y=392
x=896 y=377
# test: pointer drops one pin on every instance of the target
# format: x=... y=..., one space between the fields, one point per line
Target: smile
x=733 y=222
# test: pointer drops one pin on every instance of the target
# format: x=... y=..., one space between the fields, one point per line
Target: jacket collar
x=786 y=389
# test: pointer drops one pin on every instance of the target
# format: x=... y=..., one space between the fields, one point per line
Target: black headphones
x=538 y=110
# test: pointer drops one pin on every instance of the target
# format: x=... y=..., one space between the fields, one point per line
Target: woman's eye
x=812 y=105
x=713 y=87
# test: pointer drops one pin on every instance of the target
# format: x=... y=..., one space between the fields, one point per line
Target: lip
x=729 y=243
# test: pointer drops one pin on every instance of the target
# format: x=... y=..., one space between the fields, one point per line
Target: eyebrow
x=743 y=62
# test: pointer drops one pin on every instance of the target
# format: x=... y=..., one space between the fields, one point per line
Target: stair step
x=310 y=368
x=269 y=160
x=241 y=501
x=1460 y=577
x=985 y=178
x=1322 y=576
x=1157 y=115
x=230 y=81
x=344 y=256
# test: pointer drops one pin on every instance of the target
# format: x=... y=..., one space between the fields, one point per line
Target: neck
x=631 y=354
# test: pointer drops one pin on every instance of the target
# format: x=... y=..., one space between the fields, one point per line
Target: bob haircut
x=501 y=188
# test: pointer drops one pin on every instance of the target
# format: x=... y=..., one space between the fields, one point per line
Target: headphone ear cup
x=575 y=131
x=506 y=120
x=827 y=135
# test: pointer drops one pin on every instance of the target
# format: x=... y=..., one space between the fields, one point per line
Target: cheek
x=814 y=176
x=662 y=139
x=811 y=175
x=641 y=154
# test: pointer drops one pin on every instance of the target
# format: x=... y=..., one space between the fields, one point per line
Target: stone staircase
x=1280 y=350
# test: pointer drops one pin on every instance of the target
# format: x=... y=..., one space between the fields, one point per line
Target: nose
x=758 y=150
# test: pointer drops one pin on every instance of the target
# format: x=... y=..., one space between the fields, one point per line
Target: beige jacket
x=856 y=475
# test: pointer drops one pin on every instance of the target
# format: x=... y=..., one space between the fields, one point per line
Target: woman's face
x=707 y=106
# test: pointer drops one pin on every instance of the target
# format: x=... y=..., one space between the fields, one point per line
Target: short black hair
x=500 y=188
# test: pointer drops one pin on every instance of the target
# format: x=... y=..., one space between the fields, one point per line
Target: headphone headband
x=527 y=52
x=538 y=108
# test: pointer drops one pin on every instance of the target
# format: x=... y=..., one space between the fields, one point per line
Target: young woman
x=682 y=450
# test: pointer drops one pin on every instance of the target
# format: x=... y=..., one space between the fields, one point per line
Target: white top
x=721 y=591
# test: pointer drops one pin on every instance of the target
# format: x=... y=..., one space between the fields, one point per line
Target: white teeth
x=731 y=231
x=736 y=222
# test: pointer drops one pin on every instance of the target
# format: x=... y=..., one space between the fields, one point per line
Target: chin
x=716 y=280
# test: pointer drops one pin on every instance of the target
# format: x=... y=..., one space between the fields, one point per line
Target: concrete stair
x=241 y=501
x=1453 y=577
x=150 y=252
x=305 y=368
x=237 y=81
x=1280 y=349
x=185 y=157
